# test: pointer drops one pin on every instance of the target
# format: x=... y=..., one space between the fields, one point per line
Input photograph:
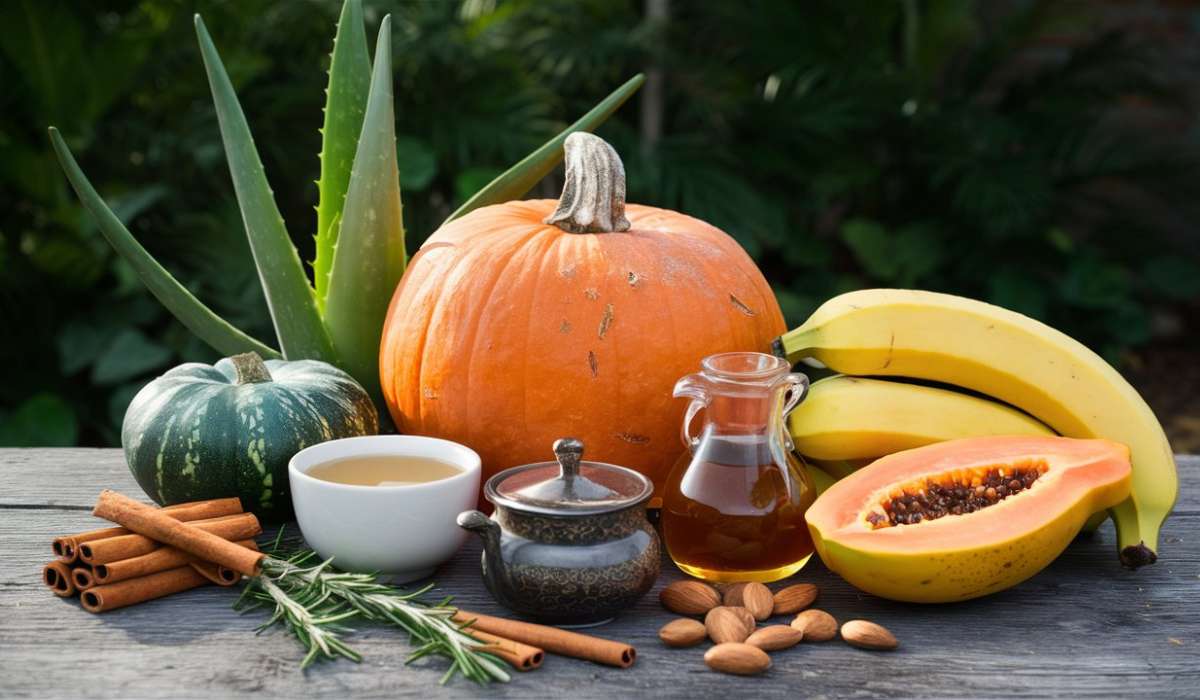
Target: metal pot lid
x=568 y=486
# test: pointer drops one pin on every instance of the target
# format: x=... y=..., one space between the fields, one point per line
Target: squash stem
x=593 y=197
x=250 y=368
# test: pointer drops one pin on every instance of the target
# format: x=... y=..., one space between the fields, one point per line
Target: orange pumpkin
x=507 y=333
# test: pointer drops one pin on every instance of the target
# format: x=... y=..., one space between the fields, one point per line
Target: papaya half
x=964 y=518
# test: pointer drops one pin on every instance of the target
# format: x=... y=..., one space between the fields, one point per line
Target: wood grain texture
x=1084 y=627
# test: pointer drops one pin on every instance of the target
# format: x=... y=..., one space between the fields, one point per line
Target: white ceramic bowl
x=405 y=530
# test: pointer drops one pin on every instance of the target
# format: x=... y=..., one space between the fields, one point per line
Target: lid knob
x=569 y=452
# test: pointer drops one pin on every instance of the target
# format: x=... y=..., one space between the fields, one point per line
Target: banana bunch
x=999 y=353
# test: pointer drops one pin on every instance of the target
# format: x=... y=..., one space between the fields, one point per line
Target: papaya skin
x=959 y=557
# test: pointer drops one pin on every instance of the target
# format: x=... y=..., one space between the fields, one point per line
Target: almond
x=775 y=637
x=689 y=597
x=795 y=598
x=817 y=625
x=682 y=632
x=868 y=635
x=724 y=625
x=731 y=595
x=745 y=616
x=738 y=659
x=758 y=600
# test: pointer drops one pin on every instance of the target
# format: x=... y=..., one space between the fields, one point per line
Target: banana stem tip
x=1137 y=556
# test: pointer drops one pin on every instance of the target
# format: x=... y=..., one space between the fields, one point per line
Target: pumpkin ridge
x=553 y=236
x=407 y=368
x=420 y=357
x=733 y=329
x=646 y=259
x=510 y=239
x=768 y=302
x=674 y=300
x=393 y=370
x=612 y=350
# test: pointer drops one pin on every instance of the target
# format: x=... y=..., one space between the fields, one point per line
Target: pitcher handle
x=797 y=389
x=685 y=432
x=695 y=388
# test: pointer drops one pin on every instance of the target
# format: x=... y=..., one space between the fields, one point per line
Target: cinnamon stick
x=152 y=523
x=520 y=656
x=82 y=577
x=553 y=639
x=215 y=573
x=57 y=577
x=139 y=590
x=66 y=548
x=105 y=551
x=160 y=559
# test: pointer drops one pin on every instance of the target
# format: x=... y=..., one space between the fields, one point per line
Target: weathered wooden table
x=1083 y=627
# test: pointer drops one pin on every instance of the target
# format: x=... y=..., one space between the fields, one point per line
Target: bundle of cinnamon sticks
x=114 y=567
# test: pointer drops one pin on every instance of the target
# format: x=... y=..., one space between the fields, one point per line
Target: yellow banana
x=849 y=418
x=1000 y=353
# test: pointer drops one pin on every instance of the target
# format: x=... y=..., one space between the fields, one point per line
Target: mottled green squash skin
x=197 y=433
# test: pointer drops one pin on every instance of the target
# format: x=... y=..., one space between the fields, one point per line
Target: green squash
x=209 y=431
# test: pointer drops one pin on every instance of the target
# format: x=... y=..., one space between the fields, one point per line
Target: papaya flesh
x=964 y=518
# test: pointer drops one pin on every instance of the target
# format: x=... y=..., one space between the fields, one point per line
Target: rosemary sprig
x=313 y=602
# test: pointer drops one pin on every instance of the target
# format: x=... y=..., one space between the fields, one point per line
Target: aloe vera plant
x=360 y=254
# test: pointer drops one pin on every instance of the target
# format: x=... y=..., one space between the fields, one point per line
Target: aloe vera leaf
x=290 y=298
x=345 y=104
x=369 y=257
x=191 y=312
x=520 y=178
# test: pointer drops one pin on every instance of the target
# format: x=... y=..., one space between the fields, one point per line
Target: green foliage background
x=844 y=143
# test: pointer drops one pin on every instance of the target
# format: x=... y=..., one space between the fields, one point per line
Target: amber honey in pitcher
x=734 y=506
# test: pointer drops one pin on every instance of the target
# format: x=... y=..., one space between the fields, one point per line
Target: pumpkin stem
x=250 y=368
x=593 y=197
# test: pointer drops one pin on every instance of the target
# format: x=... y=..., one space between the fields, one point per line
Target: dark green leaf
x=918 y=251
x=1018 y=292
x=71 y=262
x=1094 y=284
x=869 y=242
x=130 y=354
x=902 y=257
x=471 y=180
x=1173 y=277
x=43 y=420
x=1060 y=240
x=81 y=343
x=795 y=307
x=291 y=300
x=417 y=161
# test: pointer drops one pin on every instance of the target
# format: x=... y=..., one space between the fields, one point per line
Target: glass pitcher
x=734 y=505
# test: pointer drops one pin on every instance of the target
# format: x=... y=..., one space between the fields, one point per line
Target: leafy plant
x=314 y=601
x=359 y=212
x=1044 y=165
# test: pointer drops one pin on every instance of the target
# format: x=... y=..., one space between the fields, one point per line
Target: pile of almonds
x=731 y=616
